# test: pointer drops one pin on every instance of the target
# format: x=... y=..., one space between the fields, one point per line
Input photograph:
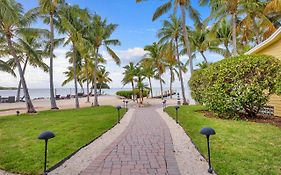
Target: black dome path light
x=208 y=132
x=177 y=113
x=118 y=110
x=46 y=136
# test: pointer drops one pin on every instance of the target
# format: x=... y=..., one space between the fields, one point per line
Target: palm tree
x=170 y=35
x=71 y=22
x=4 y=67
x=103 y=78
x=48 y=9
x=155 y=57
x=30 y=50
x=129 y=74
x=14 y=22
x=273 y=6
x=222 y=8
x=99 y=33
x=149 y=71
x=185 y=5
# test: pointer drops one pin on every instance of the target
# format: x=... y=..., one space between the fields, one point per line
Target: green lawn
x=21 y=151
x=239 y=147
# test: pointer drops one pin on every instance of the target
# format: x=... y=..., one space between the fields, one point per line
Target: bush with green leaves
x=129 y=94
x=237 y=85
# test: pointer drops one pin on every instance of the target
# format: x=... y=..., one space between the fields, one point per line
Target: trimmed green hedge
x=129 y=94
x=238 y=84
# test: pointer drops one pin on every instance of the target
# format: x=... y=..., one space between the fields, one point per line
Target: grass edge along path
x=21 y=151
x=239 y=147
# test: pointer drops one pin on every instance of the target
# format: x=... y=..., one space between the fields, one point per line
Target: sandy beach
x=44 y=104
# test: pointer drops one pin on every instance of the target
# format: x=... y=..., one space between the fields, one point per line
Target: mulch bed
x=274 y=120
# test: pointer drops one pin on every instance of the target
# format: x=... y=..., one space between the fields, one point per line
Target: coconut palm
x=4 y=67
x=155 y=57
x=13 y=22
x=185 y=6
x=48 y=9
x=71 y=22
x=99 y=33
x=221 y=9
x=149 y=71
x=103 y=78
x=170 y=35
x=129 y=74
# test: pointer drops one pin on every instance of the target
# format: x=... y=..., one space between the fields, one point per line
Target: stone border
x=189 y=159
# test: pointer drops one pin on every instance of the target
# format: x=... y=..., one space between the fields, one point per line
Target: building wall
x=274 y=50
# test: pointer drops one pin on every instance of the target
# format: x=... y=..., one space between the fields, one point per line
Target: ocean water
x=45 y=93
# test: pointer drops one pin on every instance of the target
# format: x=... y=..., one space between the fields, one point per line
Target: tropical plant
x=185 y=6
x=103 y=78
x=98 y=34
x=48 y=10
x=129 y=74
x=149 y=71
x=170 y=35
x=155 y=57
x=72 y=21
x=237 y=85
x=13 y=23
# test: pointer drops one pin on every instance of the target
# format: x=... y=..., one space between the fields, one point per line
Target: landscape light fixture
x=18 y=113
x=118 y=110
x=208 y=132
x=177 y=113
x=164 y=104
x=46 y=136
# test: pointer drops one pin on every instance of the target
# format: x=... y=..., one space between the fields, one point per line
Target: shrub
x=129 y=94
x=238 y=84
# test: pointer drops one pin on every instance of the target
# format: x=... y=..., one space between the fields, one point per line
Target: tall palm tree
x=170 y=35
x=48 y=9
x=156 y=57
x=71 y=22
x=185 y=6
x=103 y=78
x=129 y=74
x=98 y=35
x=222 y=8
x=13 y=21
x=149 y=71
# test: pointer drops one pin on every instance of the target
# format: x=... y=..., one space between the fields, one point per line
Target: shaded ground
x=274 y=120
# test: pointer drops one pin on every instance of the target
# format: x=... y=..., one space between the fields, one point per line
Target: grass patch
x=239 y=147
x=22 y=152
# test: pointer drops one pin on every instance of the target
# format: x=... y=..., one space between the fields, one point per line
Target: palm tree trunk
x=234 y=38
x=180 y=73
x=96 y=103
x=75 y=77
x=19 y=86
x=150 y=86
x=205 y=59
x=171 y=82
x=186 y=40
x=161 y=88
x=227 y=49
x=133 y=88
x=52 y=95
x=87 y=79
x=29 y=105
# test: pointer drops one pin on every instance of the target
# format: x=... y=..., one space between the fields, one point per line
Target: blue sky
x=135 y=30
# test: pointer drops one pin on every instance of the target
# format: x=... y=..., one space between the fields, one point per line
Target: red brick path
x=145 y=147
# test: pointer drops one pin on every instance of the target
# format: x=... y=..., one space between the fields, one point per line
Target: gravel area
x=85 y=156
x=190 y=161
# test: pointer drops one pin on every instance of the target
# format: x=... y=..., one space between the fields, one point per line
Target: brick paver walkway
x=145 y=147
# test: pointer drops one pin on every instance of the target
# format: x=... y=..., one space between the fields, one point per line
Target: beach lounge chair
x=11 y=99
x=57 y=97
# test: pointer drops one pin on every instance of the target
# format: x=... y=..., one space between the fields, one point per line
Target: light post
x=164 y=104
x=18 y=113
x=208 y=132
x=127 y=103
x=178 y=99
x=46 y=136
x=124 y=103
x=118 y=116
x=177 y=113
